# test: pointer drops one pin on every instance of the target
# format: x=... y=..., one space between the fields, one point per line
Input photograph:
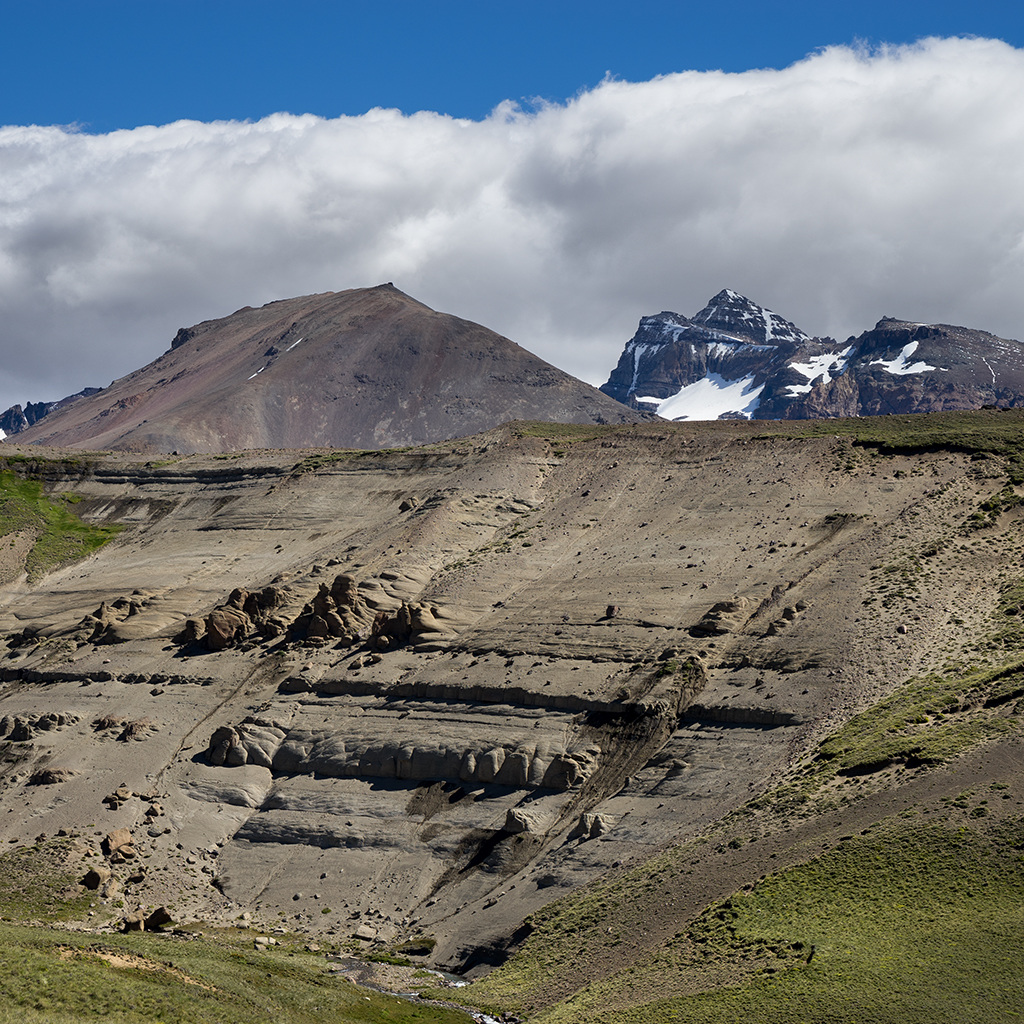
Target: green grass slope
x=49 y=976
x=917 y=917
x=910 y=923
x=59 y=535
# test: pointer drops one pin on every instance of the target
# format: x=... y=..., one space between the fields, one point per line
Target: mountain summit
x=736 y=317
x=735 y=359
x=363 y=368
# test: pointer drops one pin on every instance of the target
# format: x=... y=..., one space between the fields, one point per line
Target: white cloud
x=849 y=186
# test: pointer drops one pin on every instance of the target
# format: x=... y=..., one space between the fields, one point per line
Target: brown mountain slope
x=363 y=368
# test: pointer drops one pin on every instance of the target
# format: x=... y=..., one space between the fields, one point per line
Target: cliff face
x=427 y=692
x=364 y=368
x=735 y=359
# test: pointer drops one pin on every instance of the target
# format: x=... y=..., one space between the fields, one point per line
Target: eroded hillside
x=419 y=695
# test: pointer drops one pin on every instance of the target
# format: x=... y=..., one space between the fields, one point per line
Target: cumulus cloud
x=848 y=186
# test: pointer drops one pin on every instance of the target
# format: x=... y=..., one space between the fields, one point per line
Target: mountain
x=363 y=368
x=690 y=721
x=17 y=419
x=735 y=359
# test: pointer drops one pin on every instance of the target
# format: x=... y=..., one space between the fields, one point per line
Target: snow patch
x=828 y=366
x=257 y=373
x=901 y=365
x=638 y=352
x=710 y=398
x=3 y=433
x=290 y=347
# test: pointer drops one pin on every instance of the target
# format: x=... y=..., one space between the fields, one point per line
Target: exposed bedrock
x=768 y=589
x=347 y=609
x=403 y=752
x=430 y=740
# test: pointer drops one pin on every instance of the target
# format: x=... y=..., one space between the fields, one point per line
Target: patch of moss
x=61 y=536
x=388 y=958
x=419 y=945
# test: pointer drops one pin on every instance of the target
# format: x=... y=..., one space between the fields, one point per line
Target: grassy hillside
x=863 y=706
x=908 y=922
x=916 y=917
x=51 y=976
x=58 y=535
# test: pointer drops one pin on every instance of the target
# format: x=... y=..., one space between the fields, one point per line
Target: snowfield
x=828 y=366
x=710 y=398
x=901 y=365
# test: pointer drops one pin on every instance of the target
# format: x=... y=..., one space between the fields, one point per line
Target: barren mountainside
x=562 y=708
x=363 y=368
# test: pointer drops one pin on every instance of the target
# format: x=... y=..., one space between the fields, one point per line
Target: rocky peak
x=728 y=343
x=735 y=358
x=361 y=368
x=16 y=419
x=737 y=317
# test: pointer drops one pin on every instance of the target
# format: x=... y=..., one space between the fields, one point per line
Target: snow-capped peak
x=735 y=315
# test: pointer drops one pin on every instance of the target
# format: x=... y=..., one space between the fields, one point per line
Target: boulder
x=193 y=631
x=158 y=919
x=339 y=610
x=411 y=622
x=273 y=609
x=116 y=841
x=51 y=776
x=591 y=826
x=225 y=627
x=96 y=876
x=723 y=617
x=524 y=818
x=254 y=741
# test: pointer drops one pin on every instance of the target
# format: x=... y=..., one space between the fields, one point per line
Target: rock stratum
x=362 y=368
x=388 y=695
x=737 y=360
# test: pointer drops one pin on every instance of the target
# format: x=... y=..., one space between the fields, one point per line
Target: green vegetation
x=40 y=885
x=983 y=433
x=321 y=460
x=49 y=975
x=905 y=924
x=388 y=958
x=1008 y=619
x=899 y=580
x=60 y=536
x=925 y=722
x=52 y=977
x=419 y=945
x=992 y=508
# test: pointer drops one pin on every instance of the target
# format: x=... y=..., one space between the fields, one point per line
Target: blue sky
x=104 y=65
x=586 y=164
